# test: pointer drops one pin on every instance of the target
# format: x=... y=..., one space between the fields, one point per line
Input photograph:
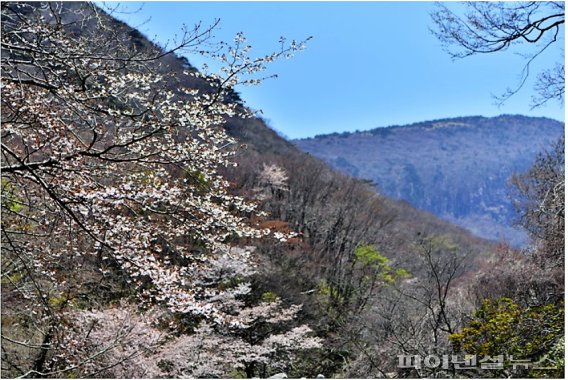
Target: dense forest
x=458 y=168
x=153 y=227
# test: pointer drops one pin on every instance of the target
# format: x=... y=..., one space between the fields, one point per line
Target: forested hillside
x=152 y=227
x=458 y=169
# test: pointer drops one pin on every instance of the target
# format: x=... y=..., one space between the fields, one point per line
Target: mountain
x=262 y=145
x=102 y=241
x=456 y=168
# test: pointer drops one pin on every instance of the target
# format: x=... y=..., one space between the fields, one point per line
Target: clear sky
x=369 y=64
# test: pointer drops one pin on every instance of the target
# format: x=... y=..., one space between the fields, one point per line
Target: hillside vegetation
x=458 y=169
x=153 y=228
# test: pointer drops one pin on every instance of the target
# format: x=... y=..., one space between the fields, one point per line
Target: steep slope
x=473 y=207
x=264 y=145
x=457 y=168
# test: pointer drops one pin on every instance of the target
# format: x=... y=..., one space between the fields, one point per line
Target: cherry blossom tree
x=274 y=176
x=121 y=341
x=110 y=173
x=257 y=346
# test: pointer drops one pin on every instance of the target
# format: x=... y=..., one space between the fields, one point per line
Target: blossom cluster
x=111 y=176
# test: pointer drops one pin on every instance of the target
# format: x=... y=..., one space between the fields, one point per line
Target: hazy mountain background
x=458 y=168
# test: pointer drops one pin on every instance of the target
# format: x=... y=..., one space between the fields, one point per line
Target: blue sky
x=369 y=64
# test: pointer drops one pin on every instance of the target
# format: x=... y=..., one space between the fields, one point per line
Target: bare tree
x=490 y=27
x=416 y=316
x=538 y=196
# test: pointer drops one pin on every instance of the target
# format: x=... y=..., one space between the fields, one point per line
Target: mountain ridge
x=456 y=168
x=423 y=124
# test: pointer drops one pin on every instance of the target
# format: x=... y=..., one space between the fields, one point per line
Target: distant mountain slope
x=455 y=168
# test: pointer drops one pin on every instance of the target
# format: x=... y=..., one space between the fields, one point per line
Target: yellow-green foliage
x=366 y=256
x=496 y=318
x=501 y=327
x=9 y=198
x=328 y=290
x=197 y=179
x=57 y=301
x=370 y=268
x=269 y=297
x=11 y=278
x=402 y=273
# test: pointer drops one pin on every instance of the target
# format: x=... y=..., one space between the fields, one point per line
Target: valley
x=153 y=226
